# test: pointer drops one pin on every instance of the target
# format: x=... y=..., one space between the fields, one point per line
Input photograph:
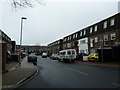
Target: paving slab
x=18 y=74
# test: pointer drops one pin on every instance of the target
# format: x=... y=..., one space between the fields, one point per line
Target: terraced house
x=55 y=47
x=102 y=35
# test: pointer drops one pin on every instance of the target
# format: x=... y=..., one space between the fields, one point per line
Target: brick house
x=55 y=46
x=32 y=48
x=105 y=35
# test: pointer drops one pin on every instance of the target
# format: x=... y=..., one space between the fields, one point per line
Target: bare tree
x=24 y=3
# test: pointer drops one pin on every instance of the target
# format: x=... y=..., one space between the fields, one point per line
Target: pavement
x=104 y=64
x=18 y=74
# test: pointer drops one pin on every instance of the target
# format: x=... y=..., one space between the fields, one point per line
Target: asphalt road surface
x=54 y=74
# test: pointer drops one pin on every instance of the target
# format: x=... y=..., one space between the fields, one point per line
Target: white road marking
x=55 y=63
x=116 y=84
x=77 y=71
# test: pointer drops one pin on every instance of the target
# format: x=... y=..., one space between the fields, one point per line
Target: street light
x=22 y=18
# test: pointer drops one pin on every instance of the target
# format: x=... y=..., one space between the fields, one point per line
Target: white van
x=67 y=55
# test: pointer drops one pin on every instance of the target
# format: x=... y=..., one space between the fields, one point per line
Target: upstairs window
x=70 y=37
x=96 y=28
x=113 y=36
x=84 y=32
x=91 y=29
x=81 y=33
x=76 y=35
x=112 y=22
x=64 y=39
x=105 y=40
x=105 y=25
x=91 y=42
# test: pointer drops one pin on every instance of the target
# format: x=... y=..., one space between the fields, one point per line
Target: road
x=54 y=74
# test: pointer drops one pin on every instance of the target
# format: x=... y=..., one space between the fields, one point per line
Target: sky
x=53 y=19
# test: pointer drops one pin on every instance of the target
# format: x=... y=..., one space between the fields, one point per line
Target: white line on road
x=77 y=71
x=116 y=84
x=55 y=63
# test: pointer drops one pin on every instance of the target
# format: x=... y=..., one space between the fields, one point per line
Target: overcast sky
x=54 y=19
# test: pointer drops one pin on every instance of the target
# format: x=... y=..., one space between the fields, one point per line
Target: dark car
x=32 y=58
x=80 y=56
x=9 y=56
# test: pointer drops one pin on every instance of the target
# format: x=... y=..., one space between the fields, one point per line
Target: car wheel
x=89 y=60
x=73 y=61
x=95 y=59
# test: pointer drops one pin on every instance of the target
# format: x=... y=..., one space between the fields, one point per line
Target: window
x=68 y=45
x=96 y=39
x=91 y=29
x=84 y=32
x=96 y=28
x=63 y=53
x=105 y=25
x=70 y=37
x=112 y=22
x=73 y=52
x=113 y=36
x=76 y=35
x=68 y=52
x=82 y=41
x=91 y=42
x=64 y=39
x=81 y=33
x=105 y=40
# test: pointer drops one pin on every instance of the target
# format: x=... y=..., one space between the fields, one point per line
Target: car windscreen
x=8 y=52
x=91 y=54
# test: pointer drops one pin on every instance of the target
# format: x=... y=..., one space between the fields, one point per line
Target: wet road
x=54 y=74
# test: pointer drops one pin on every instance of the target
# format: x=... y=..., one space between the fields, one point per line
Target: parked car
x=81 y=56
x=44 y=55
x=9 y=56
x=93 y=57
x=54 y=56
x=67 y=55
x=32 y=58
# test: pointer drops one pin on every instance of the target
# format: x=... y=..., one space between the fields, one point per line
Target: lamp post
x=22 y=18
